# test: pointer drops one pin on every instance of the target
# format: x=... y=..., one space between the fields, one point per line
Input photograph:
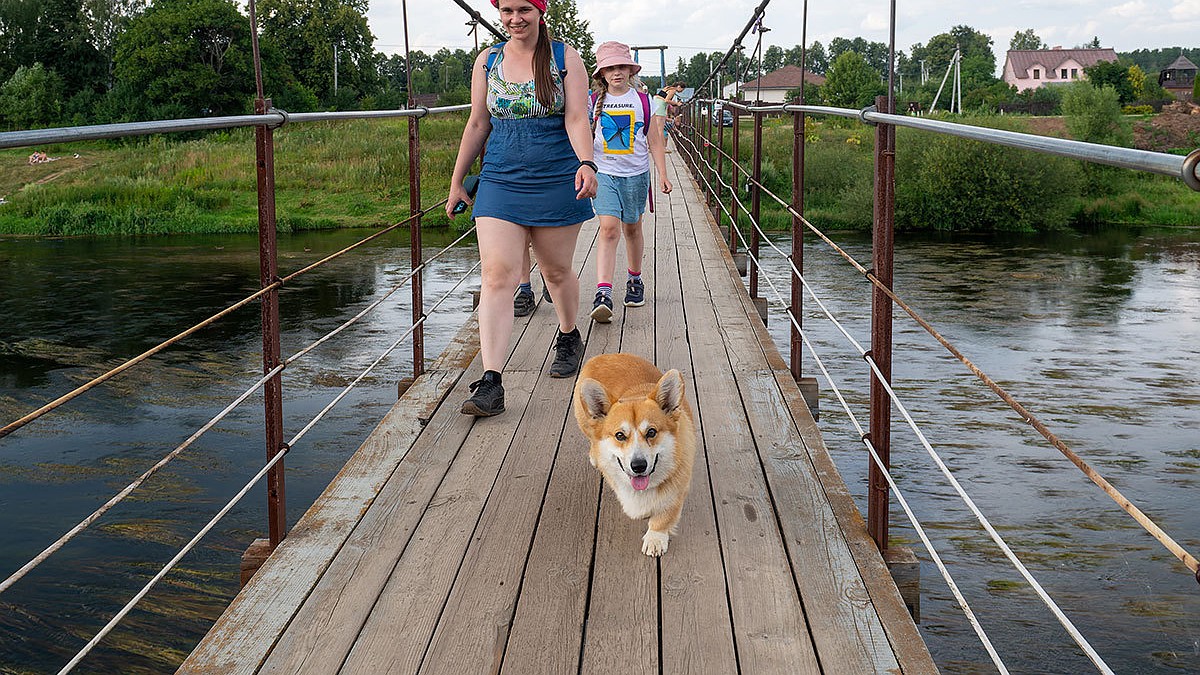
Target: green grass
x=327 y=175
x=355 y=174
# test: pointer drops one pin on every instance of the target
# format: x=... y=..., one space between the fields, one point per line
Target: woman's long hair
x=543 y=81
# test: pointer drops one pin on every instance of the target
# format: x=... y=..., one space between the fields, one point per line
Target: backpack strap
x=595 y=116
x=645 y=111
x=559 y=49
x=492 y=53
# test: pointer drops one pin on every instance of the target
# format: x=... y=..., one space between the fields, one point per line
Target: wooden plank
x=241 y=638
x=771 y=632
x=903 y=635
x=420 y=582
x=473 y=628
x=697 y=629
x=851 y=634
x=547 y=626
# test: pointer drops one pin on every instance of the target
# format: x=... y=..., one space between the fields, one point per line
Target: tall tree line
x=71 y=62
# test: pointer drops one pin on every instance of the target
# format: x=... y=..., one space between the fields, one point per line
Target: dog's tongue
x=640 y=482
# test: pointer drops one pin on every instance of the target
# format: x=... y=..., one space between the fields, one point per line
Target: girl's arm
x=479 y=125
x=578 y=129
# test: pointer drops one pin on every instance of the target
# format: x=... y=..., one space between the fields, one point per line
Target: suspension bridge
x=448 y=542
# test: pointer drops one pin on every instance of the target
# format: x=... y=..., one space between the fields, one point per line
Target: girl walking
x=625 y=137
x=527 y=103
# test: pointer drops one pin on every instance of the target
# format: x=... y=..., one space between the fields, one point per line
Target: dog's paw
x=655 y=543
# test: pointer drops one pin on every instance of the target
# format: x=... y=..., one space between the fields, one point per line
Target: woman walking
x=627 y=135
x=528 y=103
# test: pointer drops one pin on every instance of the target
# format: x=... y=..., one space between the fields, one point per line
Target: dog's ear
x=594 y=398
x=668 y=393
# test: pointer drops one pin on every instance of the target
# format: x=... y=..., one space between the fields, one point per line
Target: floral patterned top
x=517 y=100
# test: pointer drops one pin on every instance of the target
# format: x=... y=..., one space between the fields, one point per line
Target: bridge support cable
x=241 y=398
x=271 y=463
x=1147 y=523
x=58 y=402
x=982 y=519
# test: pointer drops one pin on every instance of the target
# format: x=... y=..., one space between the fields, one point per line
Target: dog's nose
x=638 y=464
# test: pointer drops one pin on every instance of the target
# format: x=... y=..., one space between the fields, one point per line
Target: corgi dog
x=643 y=438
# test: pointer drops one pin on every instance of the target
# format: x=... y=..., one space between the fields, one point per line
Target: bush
x=951 y=183
x=1094 y=115
x=1138 y=110
x=1196 y=91
x=32 y=97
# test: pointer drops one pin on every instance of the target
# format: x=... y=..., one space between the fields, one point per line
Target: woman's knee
x=500 y=277
x=610 y=230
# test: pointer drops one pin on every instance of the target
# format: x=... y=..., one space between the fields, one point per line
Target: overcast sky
x=692 y=26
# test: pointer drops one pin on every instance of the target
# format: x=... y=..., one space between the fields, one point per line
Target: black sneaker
x=568 y=351
x=602 y=308
x=635 y=293
x=523 y=303
x=488 y=397
x=546 y=292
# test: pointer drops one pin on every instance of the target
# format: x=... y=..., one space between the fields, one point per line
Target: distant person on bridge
x=627 y=135
x=528 y=103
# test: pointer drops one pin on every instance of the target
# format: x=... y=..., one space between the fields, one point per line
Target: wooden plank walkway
x=451 y=545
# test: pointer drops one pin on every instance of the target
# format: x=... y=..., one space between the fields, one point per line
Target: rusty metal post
x=720 y=166
x=268 y=274
x=883 y=248
x=414 y=201
x=735 y=180
x=755 y=198
x=797 y=299
x=710 y=193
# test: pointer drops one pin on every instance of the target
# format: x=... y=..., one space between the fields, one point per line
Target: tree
x=105 y=20
x=874 y=53
x=188 y=57
x=1093 y=114
x=1026 y=39
x=1137 y=79
x=563 y=18
x=53 y=33
x=307 y=33
x=818 y=60
x=851 y=83
x=978 y=64
x=32 y=97
x=1094 y=44
x=773 y=59
x=1111 y=74
x=1196 y=91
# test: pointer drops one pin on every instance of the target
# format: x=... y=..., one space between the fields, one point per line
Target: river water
x=1098 y=335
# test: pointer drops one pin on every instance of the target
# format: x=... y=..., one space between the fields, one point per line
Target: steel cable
x=1151 y=527
x=58 y=402
x=120 y=496
x=257 y=477
x=983 y=520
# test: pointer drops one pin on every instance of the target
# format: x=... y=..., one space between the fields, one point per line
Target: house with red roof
x=774 y=86
x=1032 y=68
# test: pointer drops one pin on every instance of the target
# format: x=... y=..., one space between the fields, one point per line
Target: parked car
x=723 y=117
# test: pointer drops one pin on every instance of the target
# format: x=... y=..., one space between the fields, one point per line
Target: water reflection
x=1098 y=335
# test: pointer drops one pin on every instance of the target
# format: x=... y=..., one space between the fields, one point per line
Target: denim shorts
x=623 y=197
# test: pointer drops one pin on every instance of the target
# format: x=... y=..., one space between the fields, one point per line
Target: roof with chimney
x=1023 y=61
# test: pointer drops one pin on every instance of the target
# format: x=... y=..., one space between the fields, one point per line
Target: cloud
x=1129 y=10
x=1186 y=10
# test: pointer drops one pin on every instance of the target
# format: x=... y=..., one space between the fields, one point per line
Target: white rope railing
x=242 y=493
x=995 y=536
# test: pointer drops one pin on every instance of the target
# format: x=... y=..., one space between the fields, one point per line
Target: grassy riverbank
x=355 y=174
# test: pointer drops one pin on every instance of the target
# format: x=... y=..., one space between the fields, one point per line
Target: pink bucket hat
x=614 y=54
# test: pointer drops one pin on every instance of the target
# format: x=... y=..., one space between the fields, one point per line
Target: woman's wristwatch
x=590 y=164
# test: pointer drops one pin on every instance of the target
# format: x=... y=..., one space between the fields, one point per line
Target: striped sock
x=527 y=287
x=606 y=289
x=634 y=275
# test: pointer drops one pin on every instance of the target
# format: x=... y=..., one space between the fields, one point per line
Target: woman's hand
x=585 y=182
x=665 y=185
x=457 y=194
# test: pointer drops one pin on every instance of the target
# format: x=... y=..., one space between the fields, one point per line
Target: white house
x=774 y=86
x=1032 y=68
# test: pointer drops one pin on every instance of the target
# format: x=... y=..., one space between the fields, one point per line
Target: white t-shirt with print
x=620 y=145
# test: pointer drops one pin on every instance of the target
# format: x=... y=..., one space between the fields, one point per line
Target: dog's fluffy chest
x=637 y=504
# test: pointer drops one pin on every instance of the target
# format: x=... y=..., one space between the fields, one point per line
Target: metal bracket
x=862 y=115
x=1191 y=172
x=284 y=118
